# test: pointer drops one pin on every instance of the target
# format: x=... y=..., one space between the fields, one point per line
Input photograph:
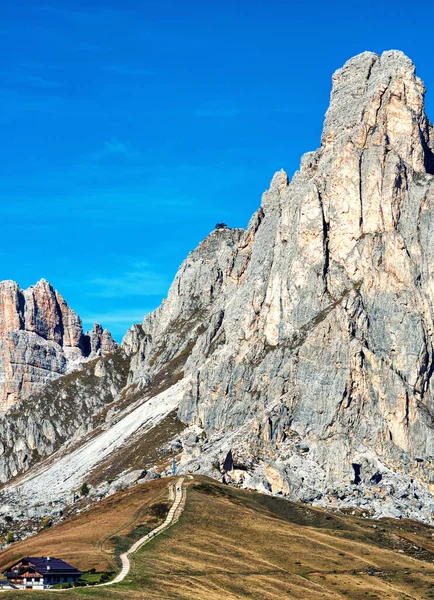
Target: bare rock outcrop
x=41 y=338
x=98 y=342
x=318 y=333
x=307 y=340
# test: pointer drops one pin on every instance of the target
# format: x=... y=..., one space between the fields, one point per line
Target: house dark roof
x=45 y=565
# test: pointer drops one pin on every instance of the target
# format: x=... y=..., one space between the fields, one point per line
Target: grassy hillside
x=233 y=543
x=92 y=538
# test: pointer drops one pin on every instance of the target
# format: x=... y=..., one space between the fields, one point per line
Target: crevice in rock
x=428 y=155
x=380 y=105
x=400 y=184
x=59 y=329
x=356 y=468
x=407 y=408
x=215 y=332
x=21 y=309
x=368 y=75
x=85 y=344
x=429 y=161
x=325 y=230
x=418 y=228
x=376 y=477
x=360 y=193
x=228 y=463
x=197 y=387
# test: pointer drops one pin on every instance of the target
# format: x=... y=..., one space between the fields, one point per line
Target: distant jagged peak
x=99 y=341
x=41 y=337
x=43 y=283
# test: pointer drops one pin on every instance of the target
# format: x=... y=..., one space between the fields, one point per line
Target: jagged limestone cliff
x=41 y=338
x=315 y=326
x=306 y=341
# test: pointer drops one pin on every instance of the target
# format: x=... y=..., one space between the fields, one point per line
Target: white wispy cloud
x=116 y=148
x=117 y=317
x=139 y=280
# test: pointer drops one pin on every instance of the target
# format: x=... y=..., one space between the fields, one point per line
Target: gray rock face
x=41 y=338
x=314 y=328
x=62 y=413
x=307 y=338
x=172 y=331
x=98 y=342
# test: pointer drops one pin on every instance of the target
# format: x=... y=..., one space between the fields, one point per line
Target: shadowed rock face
x=40 y=339
x=318 y=333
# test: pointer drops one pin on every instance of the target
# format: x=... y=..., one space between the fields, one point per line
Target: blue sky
x=129 y=128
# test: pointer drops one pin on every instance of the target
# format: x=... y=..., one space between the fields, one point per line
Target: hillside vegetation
x=93 y=538
x=232 y=543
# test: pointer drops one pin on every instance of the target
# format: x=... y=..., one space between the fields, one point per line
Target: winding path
x=172 y=517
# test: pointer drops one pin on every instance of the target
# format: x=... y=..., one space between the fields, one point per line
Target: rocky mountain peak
x=378 y=100
x=98 y=341
x=300 y=351
x=41 y=337
x=376 y=141
x=314 y=352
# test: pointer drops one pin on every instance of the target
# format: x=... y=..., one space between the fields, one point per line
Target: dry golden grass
x=237 y=544
x=84 y=540
x=233 y=543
